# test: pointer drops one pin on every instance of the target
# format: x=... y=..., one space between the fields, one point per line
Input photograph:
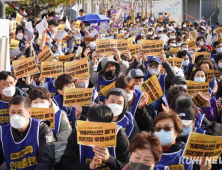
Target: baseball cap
x=53 y=22
x=178 y=79
x=186 y=118
x=135 y=73
x=151 y=58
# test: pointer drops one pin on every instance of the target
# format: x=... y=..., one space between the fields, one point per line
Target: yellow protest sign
x=77 y=25
x=193 y=87
x=77 y=96
x=132 y=49
x=51 y=69
x=152 y=88
x=206 y=54
x=191 y=44
x=130 y=40
x=96 y=133
x=122 y=46
x=18 y=18
x=20 y=67
x=152 y=47
x=210 y=75
x=175 y=50
x=13 y=44
x=66 y=38
x=217 y=74
x=175 y=62
x=90 y=39
x=193 y=34
x=65 y=58
x=78 y=69
x=219 y=30
x=60 y=27
x=45 y=55
x=203 y=147
x=106 y=46
x=107 y=88
x=120 y=36
x=176 y=167
x=199 y=101
x=44 y=114
x=160 y=19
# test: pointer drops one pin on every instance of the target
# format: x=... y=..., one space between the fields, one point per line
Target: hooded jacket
x=135 y=126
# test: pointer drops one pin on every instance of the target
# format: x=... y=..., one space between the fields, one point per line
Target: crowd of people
x=150 y=136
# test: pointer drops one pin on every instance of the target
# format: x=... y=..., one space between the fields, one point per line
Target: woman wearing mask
x=167 y=126
x=136 y=101
x=145 y=151
x=201 y=42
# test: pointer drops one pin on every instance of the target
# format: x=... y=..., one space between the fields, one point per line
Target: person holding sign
x=26 y=143
x=81 y=157
x=186 y=61
x=167 y=126
x=41 y=98
x=8 y=90
x=117 y=100
x=74 y=113
x=109 y=72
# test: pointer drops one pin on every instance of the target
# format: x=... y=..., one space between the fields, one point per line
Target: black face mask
x=139 y=166
x=110 y=74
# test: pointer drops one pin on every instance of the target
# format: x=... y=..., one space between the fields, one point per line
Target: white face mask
x=166 y=138
x=172 y=36
x=160 y=35
x=82 y=84
x=185 y=49
x=185 y=62
x=219 y=50
x=41 y=105
x=220 y=65
x=116 y=109
x=17 y=121
x=199 y=79
x=8 y=91
x=173 y=45
x=181 y=85
x=139 y=42
x=19 y=36
x=201 y=43
x=137 y=87
x=95 y=68
x=154 y=71
x=187 y=39
x=150 y=33
x=179 y=44
x=55 y=29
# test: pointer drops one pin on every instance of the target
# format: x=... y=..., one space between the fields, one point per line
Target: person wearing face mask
x=218 y=62
x=201 y=43
x=159 y=35
x=136 y=101
x=8 y=90
x=66 y=81
x=80 y=157
x=186 y=61
x=179 y=81
x=117 y=100
x=167 y=126
x=145 y=151
x=198 y=75
x=26 y=134
x=108 y=71
x=41 y=98
x=217 y=49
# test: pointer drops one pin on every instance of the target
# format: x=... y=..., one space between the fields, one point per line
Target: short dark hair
x=180 y=54
x=217 y=58
x=44 y=15
x=100 y=113
x=123 y=82
x=206 y=61
x=4 y=75
x=172 y=115
x=216 y=43
x=39 y=92
x=51 y=14
x=145 y=140
x=20 y=100
x=62 y=80
x=82 y=10
x=116 y=93
x=194 y=72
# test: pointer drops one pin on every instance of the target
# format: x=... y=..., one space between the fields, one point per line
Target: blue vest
x=212 y=83
x=127 y=123
x=199 y=130
x=24 y=154
x=199 y=120
x=100 y=85
x=58 y=99
x=51 y=88
x=137 y=96
x=87 y=154
x=57 y=122
x=4 y=112
x=174 y=158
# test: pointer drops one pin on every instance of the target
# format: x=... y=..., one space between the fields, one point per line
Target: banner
x=78 y=69
x=45 y=55
x=152 y=47
x=20 y=67
x=103 y=29
x=210 y=75
x=152 y=88
x=217 y=74
x=206 y=54
x=18 y=18
x=193 y=87
x=120 y=20
x=175 y=62
x=51 y=69
x=90 y=39
x=114 y=28
x=199 y=101
x=96 y=133
x=65 y=58
x=115 y=14
x=134 y=49
x=77 y=96
x=122 y=46
x=106 y=46
x=175 y=50
x=191 y=44
x=44 y=114
x=135 y=31
x=203 y=147
x=13 y=44
x=107 y=88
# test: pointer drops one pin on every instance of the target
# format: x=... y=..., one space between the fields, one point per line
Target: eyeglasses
x=153 y=64
x=165 y=128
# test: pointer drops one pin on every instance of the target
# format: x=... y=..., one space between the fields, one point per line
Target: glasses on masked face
x=165 y=128
x=153 y=64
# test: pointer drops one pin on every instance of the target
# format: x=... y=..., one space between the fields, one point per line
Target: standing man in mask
x=8 y=90
x=109 y=71
x=26 y=143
